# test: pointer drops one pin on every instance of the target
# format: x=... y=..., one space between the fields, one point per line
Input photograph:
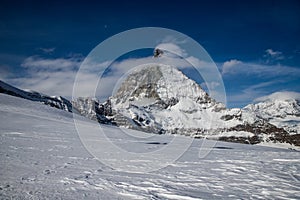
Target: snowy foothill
x=281 y=109
x=42 y=157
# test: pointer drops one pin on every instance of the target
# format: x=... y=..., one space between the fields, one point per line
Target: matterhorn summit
x=160 y=97
x=160 y=82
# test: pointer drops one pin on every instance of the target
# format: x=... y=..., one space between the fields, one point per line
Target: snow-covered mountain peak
x=281 y=109
x=141 y=83
x=159 y=97
x=278 y=104
x=158 y=82
x=174 y=84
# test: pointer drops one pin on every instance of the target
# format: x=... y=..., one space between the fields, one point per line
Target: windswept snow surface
x=42 y=157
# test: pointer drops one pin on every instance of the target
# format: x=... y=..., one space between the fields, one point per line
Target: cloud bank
x=236 y=67
x=284 y=95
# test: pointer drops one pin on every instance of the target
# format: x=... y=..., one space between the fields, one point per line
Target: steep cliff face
x=159 y=82
x=161 y=97
x=92 y=109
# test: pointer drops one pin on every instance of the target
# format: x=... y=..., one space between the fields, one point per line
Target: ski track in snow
x=42 y=157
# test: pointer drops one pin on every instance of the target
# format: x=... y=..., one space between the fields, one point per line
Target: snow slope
x=42 y=157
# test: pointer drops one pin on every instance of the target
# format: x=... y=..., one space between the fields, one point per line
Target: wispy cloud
x=245 y=96
x=37 y=63
x=247 y=81
x=236 y=67
x=172 y=50
x=273 y=53
x=272 y=56
x=47 y=50
x=282 y=95
x=228 y=65
x=49 y=76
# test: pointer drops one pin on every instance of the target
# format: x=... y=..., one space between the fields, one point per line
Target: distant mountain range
x=162 y=100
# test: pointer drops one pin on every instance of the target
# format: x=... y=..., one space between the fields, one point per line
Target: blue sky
x=255 y=44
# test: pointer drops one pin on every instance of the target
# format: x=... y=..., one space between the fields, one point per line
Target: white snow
x=237 y=134
x=42 y=157
x=175 y=84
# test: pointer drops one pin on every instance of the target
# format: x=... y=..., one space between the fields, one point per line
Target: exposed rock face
x=141 y=83
x=92 y=109
x=157 y=53
x=261 y=127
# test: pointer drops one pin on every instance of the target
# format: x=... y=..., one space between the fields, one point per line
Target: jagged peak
x=159 y=82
